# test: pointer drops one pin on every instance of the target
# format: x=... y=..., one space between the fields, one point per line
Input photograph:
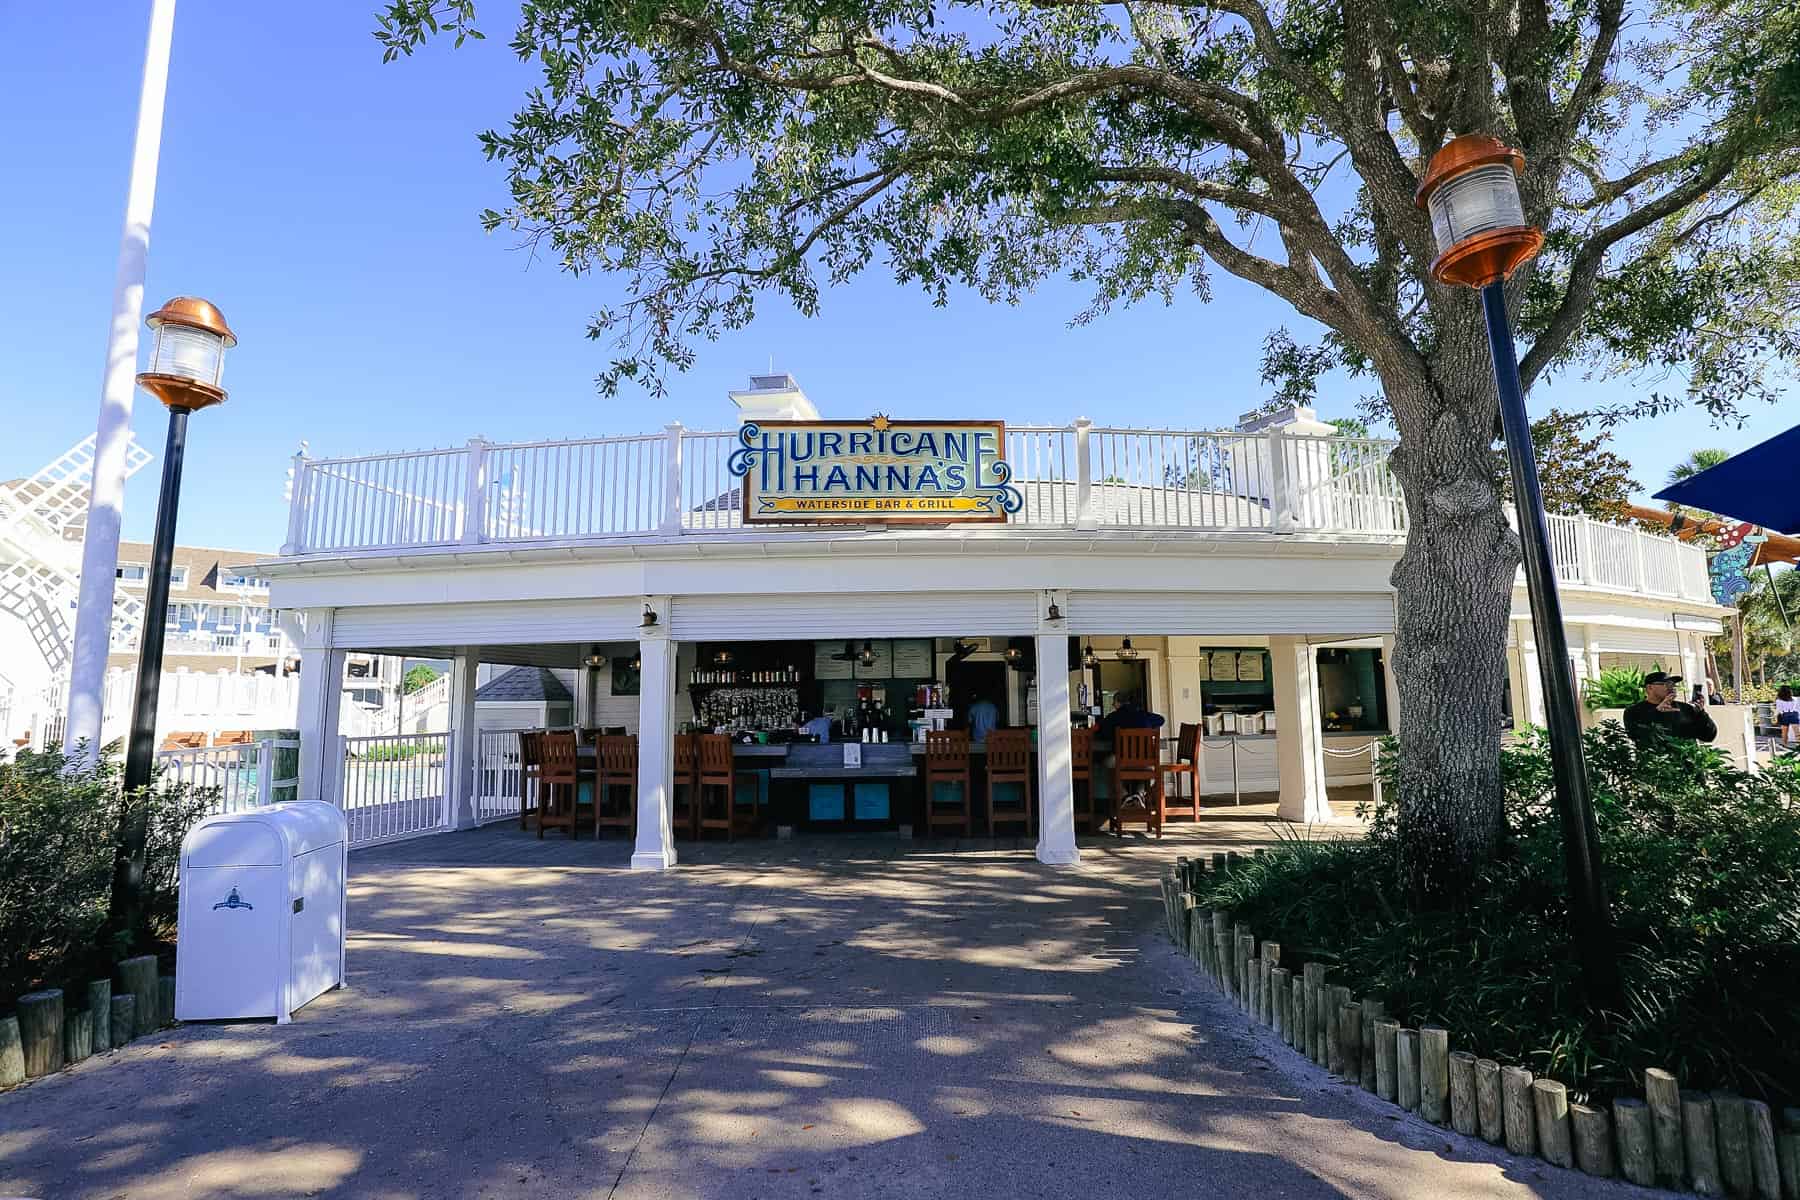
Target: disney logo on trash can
x=234 y=901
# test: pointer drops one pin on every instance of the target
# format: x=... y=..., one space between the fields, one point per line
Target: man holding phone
x=1660 y=710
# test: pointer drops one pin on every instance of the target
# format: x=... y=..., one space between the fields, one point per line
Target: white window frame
x=139 y=580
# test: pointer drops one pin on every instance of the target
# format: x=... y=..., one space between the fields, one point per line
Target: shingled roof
x=525 y=685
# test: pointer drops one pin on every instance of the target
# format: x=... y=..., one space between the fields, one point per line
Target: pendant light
x=1089 y=659
x=1126 y=653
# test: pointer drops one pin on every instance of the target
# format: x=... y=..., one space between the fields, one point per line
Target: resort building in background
x=879 y=578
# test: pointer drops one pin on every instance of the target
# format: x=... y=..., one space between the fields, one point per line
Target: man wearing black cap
x=1660 y=710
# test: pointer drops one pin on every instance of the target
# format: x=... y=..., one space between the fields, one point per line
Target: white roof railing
x=1080 y=476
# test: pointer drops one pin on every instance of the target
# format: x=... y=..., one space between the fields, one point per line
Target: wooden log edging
x=1708 y=1144
x=47 y=1033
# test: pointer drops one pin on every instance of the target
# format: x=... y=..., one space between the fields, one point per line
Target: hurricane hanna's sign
x=874 y=470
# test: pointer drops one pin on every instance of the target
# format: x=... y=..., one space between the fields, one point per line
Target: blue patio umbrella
x=1757 y=486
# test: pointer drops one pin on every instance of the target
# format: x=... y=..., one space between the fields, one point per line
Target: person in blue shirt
x=984 y=718
x=819 y=727
x=1128 y=713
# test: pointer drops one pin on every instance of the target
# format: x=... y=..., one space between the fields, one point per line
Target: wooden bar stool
x=1081 y=771
x=616 y=767
x=1186 y=764
x=559 y=779
x=1135 y=761
x=947 y=761
x=1009 y=761
x=684 y=805
x=531 y=761
x=716 y=773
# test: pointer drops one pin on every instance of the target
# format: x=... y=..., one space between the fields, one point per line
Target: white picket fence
x=244 y=776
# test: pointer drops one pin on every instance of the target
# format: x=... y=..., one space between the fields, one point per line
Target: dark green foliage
x=58 y=837
x=418 y=677
x=1617 y=687
x=1703 y=862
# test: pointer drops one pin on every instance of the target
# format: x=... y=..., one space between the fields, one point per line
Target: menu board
x=1225 y=665
x=826 y=664
x=915 y=658
x=1250 y=665
x=1205 y=669
x=883 y=666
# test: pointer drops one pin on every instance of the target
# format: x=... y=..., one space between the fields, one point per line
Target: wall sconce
x=1053 y=613
x=649 y=621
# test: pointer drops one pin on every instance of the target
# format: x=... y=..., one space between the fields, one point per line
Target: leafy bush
x=397 y=751
x=1703 y=862
x=1617 y=687
x=417 y=678
x=59 y=831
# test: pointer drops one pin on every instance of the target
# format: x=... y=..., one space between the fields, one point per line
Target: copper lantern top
x=1471 y=190
x=194 y=313
x=187 y=360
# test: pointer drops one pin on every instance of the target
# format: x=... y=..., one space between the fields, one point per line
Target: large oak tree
x=713 y=154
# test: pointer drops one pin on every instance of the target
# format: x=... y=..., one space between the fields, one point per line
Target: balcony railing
x=1079 y=476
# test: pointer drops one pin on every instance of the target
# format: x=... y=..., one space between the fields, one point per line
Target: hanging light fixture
x=723 y=658
x=1015 y=657
x=1089 y=659
x=637 y=662
x=596 y=660
x=1126 y=653
x=867 y=657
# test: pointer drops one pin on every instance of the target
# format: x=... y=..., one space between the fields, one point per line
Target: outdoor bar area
x=934 y=736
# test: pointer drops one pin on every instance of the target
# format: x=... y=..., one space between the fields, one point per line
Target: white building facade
x=1214 y=573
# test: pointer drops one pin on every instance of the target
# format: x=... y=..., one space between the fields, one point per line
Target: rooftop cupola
x=773 y=398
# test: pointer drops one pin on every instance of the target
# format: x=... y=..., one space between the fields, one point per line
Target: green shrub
x=1703 y=863
x=59 y=830
x=1617 y=687
x=396 y=751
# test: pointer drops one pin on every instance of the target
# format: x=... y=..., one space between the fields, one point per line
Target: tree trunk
x=1454 y=585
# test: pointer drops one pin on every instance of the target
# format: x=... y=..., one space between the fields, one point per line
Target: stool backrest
x=947 y=750
x=687 y=756
x=559 y=756
x=618 y=755
x=1081 y=752
x=1187 y=743
x=531 y=748
x=715 y=757
x=1136 y=748
x=1009 y=751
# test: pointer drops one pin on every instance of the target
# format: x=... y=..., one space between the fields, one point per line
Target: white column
x=1531 y=704
x=112 y=434
x=1591 y=647
x=1056 y=778
x=465 y=738
x=655 y=850
x=1391 y=681
x=321 y=694
x=1300 y=735
x=1187 y=699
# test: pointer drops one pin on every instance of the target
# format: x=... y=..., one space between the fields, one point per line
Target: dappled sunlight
x=948 y=1045
x=299 y=1169
x=452 y=949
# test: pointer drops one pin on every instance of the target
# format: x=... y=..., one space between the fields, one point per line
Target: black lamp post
x=1471 y=190
x=185 y=367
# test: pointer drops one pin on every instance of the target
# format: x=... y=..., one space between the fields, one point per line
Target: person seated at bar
x=984 y=718
x=819 y=727
x=1128 y=713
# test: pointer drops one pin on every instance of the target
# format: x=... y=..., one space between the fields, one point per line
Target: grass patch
x=1703 y=865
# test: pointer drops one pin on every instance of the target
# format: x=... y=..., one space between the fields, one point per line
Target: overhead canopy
x=1755 y=486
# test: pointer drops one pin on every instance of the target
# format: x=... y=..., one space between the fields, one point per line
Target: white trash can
x=262 y=911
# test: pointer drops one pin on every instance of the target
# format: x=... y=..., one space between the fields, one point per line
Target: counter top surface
x=873 y=771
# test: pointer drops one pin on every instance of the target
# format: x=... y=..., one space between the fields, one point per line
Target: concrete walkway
x=850 y=1017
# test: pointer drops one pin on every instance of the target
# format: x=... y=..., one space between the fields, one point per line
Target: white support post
x=1056 y=774
x=655 y=849
x=1281 y=491
x=671 y=522
x=1390 y=679
x=465 y=738
x=321 y=697
x=297 y=483
x=474 y=530
x=1084 y=475
x=1531 y=710
x=1300 y=734
x=112 y=434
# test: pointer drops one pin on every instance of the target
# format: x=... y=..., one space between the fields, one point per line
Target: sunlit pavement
x=857 y=1017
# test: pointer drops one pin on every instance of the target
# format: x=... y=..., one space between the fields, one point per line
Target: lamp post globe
x=1471 y=191
x=187 y=359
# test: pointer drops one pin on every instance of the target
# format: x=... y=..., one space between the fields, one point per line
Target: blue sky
x=328 y=204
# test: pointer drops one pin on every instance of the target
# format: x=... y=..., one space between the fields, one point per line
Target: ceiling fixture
x=1015 y=657
x=867 y=657
x=1089 y=659
x=723 y=658
x=596 y=660
x=1126 y=653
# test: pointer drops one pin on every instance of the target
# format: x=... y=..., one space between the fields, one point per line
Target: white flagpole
x=100 y=547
